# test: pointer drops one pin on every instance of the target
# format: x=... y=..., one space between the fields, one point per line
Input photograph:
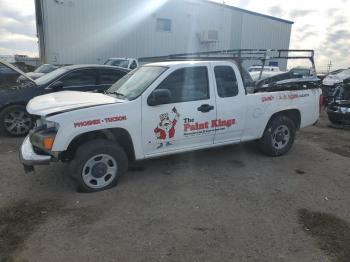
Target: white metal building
x=90 y=31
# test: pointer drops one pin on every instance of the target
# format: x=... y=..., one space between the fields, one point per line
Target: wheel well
x=293 y=114
x=117 y=135
x=12 y=104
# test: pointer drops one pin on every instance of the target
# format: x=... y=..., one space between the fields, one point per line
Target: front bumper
x=339 y=113
x=29 y=158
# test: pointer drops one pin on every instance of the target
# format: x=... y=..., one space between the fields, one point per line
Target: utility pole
x=329 y=66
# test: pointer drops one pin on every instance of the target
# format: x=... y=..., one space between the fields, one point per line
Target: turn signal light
x=48 y=143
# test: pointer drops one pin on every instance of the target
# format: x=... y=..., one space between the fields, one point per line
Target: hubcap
x=18 y=123
x=99 y=171
x=280 y=137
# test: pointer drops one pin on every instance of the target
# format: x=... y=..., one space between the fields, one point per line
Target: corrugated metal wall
x=90 y=31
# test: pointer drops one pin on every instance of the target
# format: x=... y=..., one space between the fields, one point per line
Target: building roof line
x=247 y=11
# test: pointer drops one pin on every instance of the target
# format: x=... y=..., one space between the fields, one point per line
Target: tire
x=16 y=121
x=91 y=162
x=334 y=120
x=278 y=137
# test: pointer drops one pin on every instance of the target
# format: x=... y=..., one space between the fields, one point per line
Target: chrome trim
x=29 y=158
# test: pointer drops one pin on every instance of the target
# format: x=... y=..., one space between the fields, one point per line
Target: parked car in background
x=336 y=77
x=266 y=69
x=259 y=73
x=129 y=63
x=338 y=109
x=39 y=72
x=332 y=81
x=294 y=73
x=14 y=119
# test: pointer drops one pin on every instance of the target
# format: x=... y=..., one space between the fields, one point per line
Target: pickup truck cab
x=161 y=109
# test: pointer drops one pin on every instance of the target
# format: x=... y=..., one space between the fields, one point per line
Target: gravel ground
x=225 y=204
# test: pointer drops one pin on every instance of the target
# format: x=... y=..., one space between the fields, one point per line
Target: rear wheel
x=278 y=137
x=15 y=121
x=98 y=164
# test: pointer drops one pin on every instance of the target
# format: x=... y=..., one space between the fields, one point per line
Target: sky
x=323 y=25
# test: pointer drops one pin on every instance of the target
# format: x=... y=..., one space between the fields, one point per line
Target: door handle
x=205 y=108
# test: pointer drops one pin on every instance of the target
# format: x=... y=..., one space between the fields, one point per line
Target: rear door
x=185 y=122
x=230 y=101
x=80 y=80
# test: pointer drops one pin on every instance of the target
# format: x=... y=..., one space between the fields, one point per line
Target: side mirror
x=159 y=97
x=57 y=86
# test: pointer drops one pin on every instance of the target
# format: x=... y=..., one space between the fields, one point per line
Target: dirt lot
x=226 y=204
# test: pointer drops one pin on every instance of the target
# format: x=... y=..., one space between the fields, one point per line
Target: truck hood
x=66 y=101
x=331 y=80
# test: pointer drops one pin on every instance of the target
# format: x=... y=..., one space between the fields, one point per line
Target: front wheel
x=278 y=137
x=98 y=164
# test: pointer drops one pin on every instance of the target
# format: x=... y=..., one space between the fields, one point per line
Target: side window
x=80 y=78
x=110 y=76
x=226 y=81
x=133 y=65
x=187 y=84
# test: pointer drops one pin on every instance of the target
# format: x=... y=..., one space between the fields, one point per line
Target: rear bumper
x=29 y=158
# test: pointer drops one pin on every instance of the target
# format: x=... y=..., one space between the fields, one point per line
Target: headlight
x=45 y=124
x=52 y=125
x=43 y=136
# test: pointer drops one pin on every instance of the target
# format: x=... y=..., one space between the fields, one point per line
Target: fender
x=122 y=116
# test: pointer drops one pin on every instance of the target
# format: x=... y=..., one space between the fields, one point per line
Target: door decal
x=165 y=131
x=193 y=128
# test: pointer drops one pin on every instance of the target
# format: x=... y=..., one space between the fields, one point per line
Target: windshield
x=45 y=69
x=302 y=72
x=344 y=74
x=336 y=72
x=120 y=62
x=136 y=82
x=50 y=76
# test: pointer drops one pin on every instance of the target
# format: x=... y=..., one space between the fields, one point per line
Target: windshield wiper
x=115 y=93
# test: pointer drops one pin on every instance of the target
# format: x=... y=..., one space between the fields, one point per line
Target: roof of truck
x=175 y=63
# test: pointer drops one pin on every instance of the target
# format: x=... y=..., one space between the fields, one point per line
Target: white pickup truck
x=161 y=109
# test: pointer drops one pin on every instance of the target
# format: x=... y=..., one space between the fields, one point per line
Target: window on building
x=226 y=81
x=163 y=25
x=187 y=84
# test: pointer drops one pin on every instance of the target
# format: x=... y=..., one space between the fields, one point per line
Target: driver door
x=184 y=122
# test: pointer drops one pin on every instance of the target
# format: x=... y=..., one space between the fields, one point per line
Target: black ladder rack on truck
x=241 y=55
x=262 y=55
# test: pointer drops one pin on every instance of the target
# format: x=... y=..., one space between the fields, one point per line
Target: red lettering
x=115 y=119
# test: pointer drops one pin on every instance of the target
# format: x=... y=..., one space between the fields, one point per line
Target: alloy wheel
x=18 y=122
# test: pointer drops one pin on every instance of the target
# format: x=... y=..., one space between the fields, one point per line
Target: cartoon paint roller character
x=165 y=131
